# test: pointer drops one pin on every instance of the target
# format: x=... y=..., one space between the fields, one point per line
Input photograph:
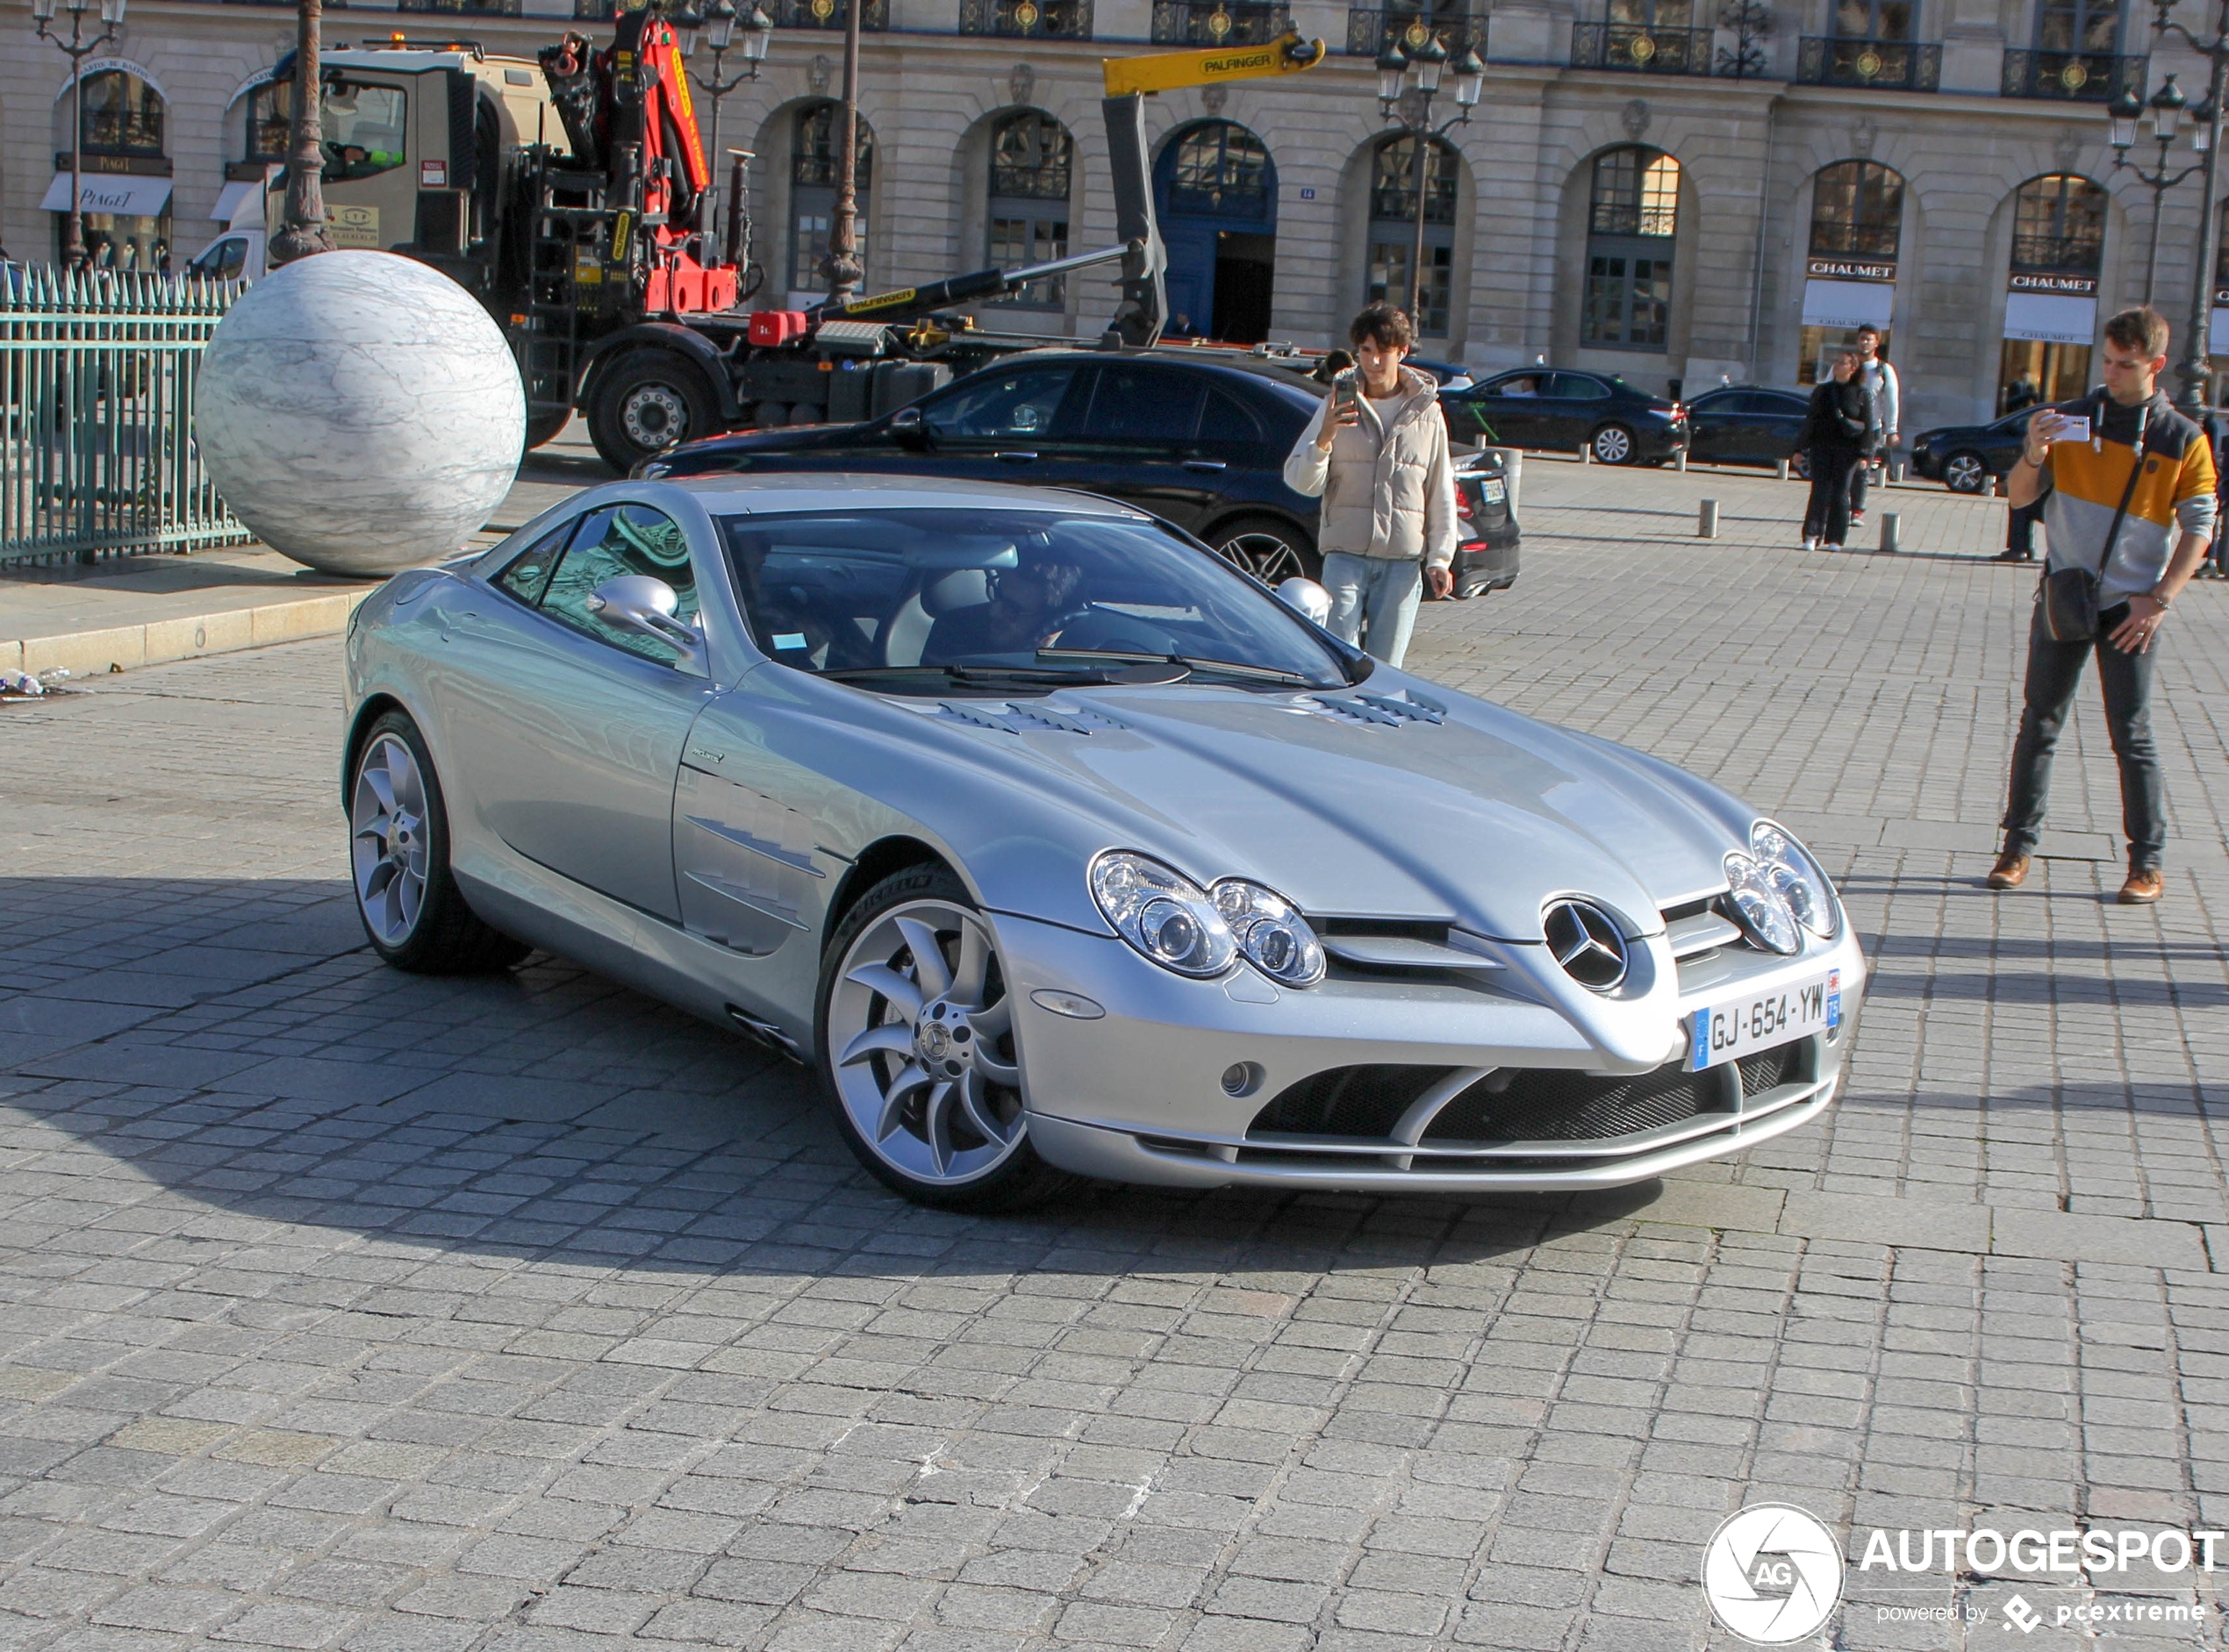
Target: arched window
x=1219 y=168
x=1032 y=162
x=1857 y=228
x=814 y=158
x=1632 y=230
x=1392 y=227
x=2051 y=301
x=1856 y=211
x=123 y=115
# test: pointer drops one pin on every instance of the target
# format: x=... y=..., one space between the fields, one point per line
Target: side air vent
x=1384 y=711
x=1023 y=718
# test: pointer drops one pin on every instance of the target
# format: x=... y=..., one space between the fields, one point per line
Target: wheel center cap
x=933 y=1042
x=942 y=1040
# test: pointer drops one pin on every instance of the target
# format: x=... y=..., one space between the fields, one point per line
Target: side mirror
x=640 y=602
x=909 y=430
x=1306 y=598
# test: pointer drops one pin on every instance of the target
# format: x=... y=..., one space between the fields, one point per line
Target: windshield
x=916 y=600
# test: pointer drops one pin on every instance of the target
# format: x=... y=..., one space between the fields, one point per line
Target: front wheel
x=1268 y=549
x=1613 y=445
x=918 y=1058
x=1966 y=472
x=649 y=403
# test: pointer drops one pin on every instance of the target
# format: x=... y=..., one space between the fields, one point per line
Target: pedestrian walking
x=1835 y=432
x=1880 y=382
x=1376 y=451
x=2127 y=485
x=2216 y=428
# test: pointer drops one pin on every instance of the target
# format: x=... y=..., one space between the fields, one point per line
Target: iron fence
x=1892 y=65
x=1634 y=48
x=97 y=452
x=2088 y=77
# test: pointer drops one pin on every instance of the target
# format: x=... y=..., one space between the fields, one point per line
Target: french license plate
x=1744 y=1025
x=1493 y=490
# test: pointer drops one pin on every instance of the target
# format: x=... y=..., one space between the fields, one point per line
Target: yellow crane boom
x=1172 y=71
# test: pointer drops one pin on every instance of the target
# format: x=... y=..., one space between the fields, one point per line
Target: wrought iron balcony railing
x=874 y=15
x=1633 y=48
x=1457 y=30
x=1216 y=23
x=1889 y=65
x=2088 y=77
x=1038 y=19
x=468 y=8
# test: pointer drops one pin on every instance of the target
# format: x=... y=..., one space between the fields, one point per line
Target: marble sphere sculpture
x=360 y=412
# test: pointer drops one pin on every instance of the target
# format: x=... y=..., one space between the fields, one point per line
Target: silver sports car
x=1056 y=845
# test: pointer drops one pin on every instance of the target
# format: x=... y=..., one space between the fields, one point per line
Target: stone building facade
x=1620 y=199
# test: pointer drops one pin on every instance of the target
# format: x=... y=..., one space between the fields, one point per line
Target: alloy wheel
x=389 y=848
x=921 y=1042
x=1267 y=556
x=1613 y=445
x=1965 y=473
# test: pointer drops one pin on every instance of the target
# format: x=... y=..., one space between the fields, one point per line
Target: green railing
x=96 y=455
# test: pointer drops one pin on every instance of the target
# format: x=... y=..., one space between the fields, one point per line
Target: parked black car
x=1200 y=441
x=1563 y=412
x=1964 y=457
x=1746 y=424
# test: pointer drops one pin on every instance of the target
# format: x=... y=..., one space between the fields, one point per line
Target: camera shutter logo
x=1773 y=1573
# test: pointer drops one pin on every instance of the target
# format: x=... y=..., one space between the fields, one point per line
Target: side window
x=528 y=575
x=627 y=539
x=223 y=261
x=992 y=403
x=366 y=131
x=1521 y=384
x=1134 y=403
x=1229 y=419
x=1574 y=387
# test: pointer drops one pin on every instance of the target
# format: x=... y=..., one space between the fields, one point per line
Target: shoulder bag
x=2070 y=594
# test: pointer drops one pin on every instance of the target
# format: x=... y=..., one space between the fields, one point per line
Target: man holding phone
x=2128 y=486
x=1376 y=454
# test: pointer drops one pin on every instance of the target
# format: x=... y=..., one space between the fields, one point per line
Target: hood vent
x=1022 y=718
x=1386 y=711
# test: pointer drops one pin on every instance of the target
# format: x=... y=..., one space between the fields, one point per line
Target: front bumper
x=1172 y=1084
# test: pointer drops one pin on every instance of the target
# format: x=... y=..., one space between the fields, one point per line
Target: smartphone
x=2077 y=428
x=1344 y=392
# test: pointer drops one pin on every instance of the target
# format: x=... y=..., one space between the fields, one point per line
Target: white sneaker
x=1810 y=544
x=1830 y=548
x=1857 y=519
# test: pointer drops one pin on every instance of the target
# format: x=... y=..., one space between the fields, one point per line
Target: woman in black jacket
x=1836 y=433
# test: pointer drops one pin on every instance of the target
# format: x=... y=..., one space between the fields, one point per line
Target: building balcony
x=1035 y=20
x=2087 y=77
x=1897 y=66
x=1632 y=48
x=1368 y=31
x=874 y=15
x=1215 y=22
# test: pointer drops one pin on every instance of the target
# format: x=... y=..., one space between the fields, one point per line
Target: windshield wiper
x=1114 y=670
x=1191 y=664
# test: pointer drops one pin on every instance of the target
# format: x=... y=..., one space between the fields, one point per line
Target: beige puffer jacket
x=1388 y=489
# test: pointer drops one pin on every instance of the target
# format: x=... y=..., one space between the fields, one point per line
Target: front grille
x=1549 y=1104
x=1347 y=1101
x=1768 y=1070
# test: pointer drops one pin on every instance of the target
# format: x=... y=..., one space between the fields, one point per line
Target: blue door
x=1215 y=191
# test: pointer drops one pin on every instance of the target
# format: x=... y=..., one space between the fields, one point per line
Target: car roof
x=821 y=490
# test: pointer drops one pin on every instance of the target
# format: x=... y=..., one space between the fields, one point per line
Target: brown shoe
x=2145 y=885
x=2011 y=870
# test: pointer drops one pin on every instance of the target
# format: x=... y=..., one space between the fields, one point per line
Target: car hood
x=791 y=439
x=1395 y=800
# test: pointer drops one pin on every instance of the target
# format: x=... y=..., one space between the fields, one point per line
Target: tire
x=1613 y=445
x=399 y=862
x=957 y=1139
x=647 y=402
x=545 y=428
x=1966 y=471
x=1271 y=550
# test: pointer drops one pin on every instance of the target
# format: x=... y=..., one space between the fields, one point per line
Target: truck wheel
x=545 y=428
x=646 y=404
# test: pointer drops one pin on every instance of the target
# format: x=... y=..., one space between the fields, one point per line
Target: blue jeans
x=2054 y=672
x=1374 y=601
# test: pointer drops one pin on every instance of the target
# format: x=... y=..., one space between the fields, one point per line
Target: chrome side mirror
x=640 y=602
x=908 y=429
x=1306 y=598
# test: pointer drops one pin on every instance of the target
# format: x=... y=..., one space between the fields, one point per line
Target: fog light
x=1242 y=1078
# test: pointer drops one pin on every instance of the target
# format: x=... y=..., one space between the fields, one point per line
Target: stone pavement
x=352 y=1310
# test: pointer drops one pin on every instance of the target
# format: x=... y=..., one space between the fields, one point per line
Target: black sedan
x=1964 y=457
x=1199 y=441
x=1560 y=411
x=1746 y=424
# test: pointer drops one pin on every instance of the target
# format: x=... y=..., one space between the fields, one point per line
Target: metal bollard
x=1680 y=463
x=1783 y=470
x=1888 y=532
x=1996 y=488
x=1899 y=473
x=1587 y=452
x=1706 y=520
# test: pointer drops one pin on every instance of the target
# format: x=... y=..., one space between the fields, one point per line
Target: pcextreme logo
x=1773 y=1573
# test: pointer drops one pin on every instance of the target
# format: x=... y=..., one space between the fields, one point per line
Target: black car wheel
x=1272 y=551
x=1966 y=472
x=1613 y=445
x=647 y=404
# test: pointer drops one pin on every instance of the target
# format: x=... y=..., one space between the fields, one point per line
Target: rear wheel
x=1613 y=445
x=648 y=402
x=1272 y=551
x=1966 y=472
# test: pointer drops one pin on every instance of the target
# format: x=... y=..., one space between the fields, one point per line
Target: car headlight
x=1797 y=877
x=1766 y=916
x=1271 y=935
x=1162 y=913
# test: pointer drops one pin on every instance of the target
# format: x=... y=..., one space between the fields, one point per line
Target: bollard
x=1587 y=452
x=1997 y=487
x=1706 y=520
x=1680 y=462
x=1888 y=532
x=1899 y=475
x=1783 y=470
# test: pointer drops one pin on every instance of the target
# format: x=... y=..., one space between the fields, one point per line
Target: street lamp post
x=2167 y=107
x=716 y=26
x=2194 y=367
x=77 y=48
x=1409 y=77
x=303 y=231
x=841 y=266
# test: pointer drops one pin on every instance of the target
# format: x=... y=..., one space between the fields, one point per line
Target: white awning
x=1847 y=304
x=128 y=196
x=2050 y=317
x=228 y=200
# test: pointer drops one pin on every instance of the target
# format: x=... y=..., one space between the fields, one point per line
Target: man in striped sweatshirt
x=2158 y=546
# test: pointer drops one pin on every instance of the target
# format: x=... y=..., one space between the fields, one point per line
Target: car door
x=567 y=729
x=1002 y=423
x=1714 y=423
x=1514 y=407
x=1574 y=404
x=1137 y=442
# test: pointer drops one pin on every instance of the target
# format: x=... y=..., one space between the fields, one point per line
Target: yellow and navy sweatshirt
x=2176 y=492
